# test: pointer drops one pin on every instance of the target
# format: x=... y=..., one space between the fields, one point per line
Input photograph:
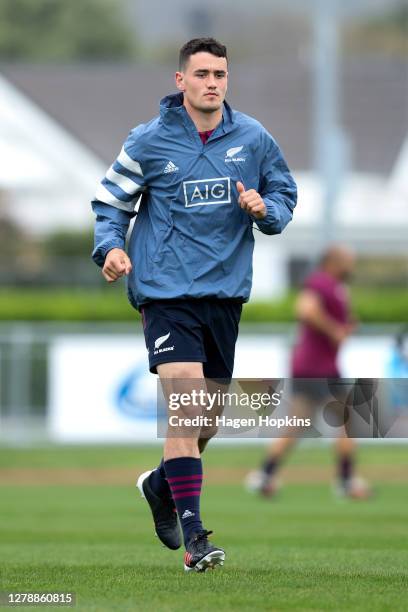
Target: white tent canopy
x=47 y=175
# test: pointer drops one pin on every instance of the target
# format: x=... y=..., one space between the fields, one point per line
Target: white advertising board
x=102 y=391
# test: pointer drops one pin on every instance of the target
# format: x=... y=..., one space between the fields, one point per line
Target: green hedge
x=110 y=304
x=368 y=305
x=64 y=305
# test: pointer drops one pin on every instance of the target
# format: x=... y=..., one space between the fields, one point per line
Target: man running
x=206 y=174
x=325 y=320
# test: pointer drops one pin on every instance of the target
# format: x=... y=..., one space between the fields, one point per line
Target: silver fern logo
x=159 y=341
x=234 y=151
x=231 y=155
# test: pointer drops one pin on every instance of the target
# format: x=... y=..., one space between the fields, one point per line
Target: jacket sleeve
x=277 y=188
x=115 y=200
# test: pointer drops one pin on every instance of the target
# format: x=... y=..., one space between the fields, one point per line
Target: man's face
x=204 y=82
x=346 y=266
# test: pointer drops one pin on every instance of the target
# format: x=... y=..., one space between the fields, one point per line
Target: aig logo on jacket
x=207 y=191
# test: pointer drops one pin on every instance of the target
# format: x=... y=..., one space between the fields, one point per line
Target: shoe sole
x=255 y=484
x=141 y=480
x=139 y=485
x=210 y=561
x=358 y=494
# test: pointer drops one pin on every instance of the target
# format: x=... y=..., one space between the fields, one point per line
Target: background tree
x=57 y=30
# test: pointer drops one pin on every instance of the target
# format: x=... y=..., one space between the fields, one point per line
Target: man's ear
x=179 y=77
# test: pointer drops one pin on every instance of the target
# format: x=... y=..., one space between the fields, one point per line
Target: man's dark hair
x=197 y=45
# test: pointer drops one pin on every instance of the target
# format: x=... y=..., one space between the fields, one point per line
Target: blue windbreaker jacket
x=190 y=238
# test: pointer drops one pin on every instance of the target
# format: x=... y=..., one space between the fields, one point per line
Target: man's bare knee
x=180 y=370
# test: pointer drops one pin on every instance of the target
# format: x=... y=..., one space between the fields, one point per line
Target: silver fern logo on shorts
x=159 y=341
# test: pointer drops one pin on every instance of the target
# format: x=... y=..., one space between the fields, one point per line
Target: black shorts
x=197 y=330
x=320 y=389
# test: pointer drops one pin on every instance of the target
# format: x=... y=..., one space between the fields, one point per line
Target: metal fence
x=24 y=368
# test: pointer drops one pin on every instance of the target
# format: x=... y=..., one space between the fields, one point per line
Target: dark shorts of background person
x=193 y=330
x=325 y=396
x=320 y=390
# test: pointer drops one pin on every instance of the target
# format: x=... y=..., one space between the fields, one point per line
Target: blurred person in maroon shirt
x=323 y=311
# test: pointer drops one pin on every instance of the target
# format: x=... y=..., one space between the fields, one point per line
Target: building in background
x=46 y=172
x=56 y=150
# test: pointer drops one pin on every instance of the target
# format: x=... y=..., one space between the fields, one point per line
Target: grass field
x=80 y=526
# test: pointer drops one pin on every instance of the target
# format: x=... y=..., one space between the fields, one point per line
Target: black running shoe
x=200 y=555
x=164 y=513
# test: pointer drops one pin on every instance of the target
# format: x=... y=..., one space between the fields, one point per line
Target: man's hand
x=117 y=263
x=341 y=332
x=252 y=202
x=338 y=333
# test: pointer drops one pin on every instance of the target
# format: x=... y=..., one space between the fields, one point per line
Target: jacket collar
x=172 y=109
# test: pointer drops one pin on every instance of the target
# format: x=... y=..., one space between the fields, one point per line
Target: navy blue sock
x=345 y=467
x=185 y=475
x=158 y=481
x=270 y=465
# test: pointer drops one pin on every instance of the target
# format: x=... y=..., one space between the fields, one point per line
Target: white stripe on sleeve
x=125 y=183
x=104 y=195
x=129 y=163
